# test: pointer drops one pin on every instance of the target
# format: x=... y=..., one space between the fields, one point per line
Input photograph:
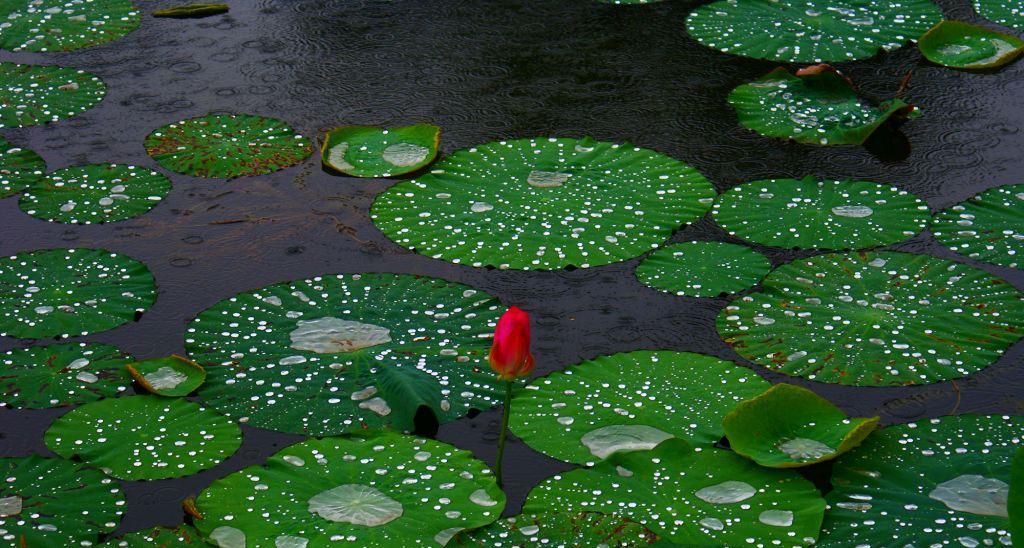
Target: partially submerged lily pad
x=368 y=151
x=703 y=269
x=377 y=489
x=182 y=536
x=40 y=377
x=1005 y=12
x=64 y=25
x=97 y=193
x=35 y=94
x=171 y=376
x=192 y=11
x=559 y=529
x=144 y=437
x=875 y=319
x=19 y=168
x=987 y=227
x=962 y=45
x=789 y=426
x=543 y=204
x=71 y=292
x=811 y=213
x=227 y=146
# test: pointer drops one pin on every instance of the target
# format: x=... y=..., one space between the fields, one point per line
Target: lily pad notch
x=369 y=151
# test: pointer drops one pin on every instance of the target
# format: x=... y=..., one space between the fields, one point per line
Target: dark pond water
x=483 y=70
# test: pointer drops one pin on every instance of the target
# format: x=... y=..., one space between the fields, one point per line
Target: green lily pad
x=172 y=376
x=1015 y=500
x=941 y=482
x=815 y=106
x=692 y=498
x=703 y=269
x=875 y=319
x=34 y=94
x=227 y=146
x=368 y=151
x=543 y=204
x=811 y=31
x=559 y=529
x=71 y=292
x=182 y=536
x=19 y=168
x=789 y=426
x=962 y=45
x=813 y=213
x=986 y=227
x=63 y=25
x=375 y=489
x=97 y=193
x=340 y=353
x=630 y=401
x=1009 y=13
x=144 y=437
x=189 y=11
x=40 y=377
x=55 y=503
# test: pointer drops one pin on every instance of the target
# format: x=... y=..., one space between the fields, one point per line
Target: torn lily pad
x=1009 y=13
x=987 y=227
x=19 y=168
x=182 y=536
x=703 y=269
x=340 y=353
x=630 y=401
x=825 y=214
x=816 y=106
x=957 y=44
x=97 y=193
x=41 y=377
x=144 y=437
x=937 y=482
x=63 y=25
x=71 y=292
x=789 y=426
x=543 y=204
x=192 y=11
x=368 y=151
x=875 y=319
x=172 y=376
x=376 y=489
x=559 y=529
x=35 y=94
x=227 y=146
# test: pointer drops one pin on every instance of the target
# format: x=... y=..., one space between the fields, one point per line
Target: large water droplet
x=547 y=179
x=726 y=492
x=622 y=437
x=805 y=449
x=329 y=335
x=405 y=154
x=855 y=211
x=288 y=541
x=10 y=506
x=336 y=156
x=165 y=378
x=228 y=537
x=973 y=493
x=776 y=518
x=355 y=504
x=482 y=498
x=714 y=524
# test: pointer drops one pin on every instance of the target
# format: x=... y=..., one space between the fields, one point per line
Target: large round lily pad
x=96 y=193
x=962 y=45
x=144 y=437
x=64 y=25
x=55 y=503
x=630 y=401
x=812 y=213
x=941 y=482
x=875 y=319
x=691 y=498
x=172 y=376
x=61 y=374
x=1005 y=12
x=19 y=168
x=70 y=292
x=987 y=227
x=811 y=31
x=703 y=269
x=378 y=489
x=368 y=151
x=36 y=94
x=227 y=146
x=182 y=536
x=340 y=353
x=559 y=529
x=543 y=204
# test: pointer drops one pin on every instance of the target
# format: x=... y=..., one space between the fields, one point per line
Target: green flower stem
x=506 y=409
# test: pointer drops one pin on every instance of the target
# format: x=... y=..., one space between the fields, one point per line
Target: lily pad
x=811 y=213
x=34 y=94
x=1009 y=13
x=40 y=377
x=986 y=227
x=71 y=292
x=931 y=483
x=55 y=502
x=1015 y=499
x=962 y=45
x=789 y=426
x=63 y=25
x=189 y=11
x=562 y=529
x=367 y=151
x=340 y=353
x=183 y=536
x=816 y=106
x=692 y=498
x=96 y=193
x=543 y=204
x=144 y=437
x=19 y=168
x=227 y=146
x=811 y=31
x=703 y=269
x=875 y=319
x=375 y=489
x=173 y=376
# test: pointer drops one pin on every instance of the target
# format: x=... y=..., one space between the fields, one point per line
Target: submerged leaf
x=56 y=93
x=367 y=151
x=172 y=376
x=19 y=168
x=40 y=377
x=63 y=25
x=987 y=227
x=562 y=529
x=703 y=269
x=963 y=45
x=97 y=193
x=1005 y=12
x=192 y=11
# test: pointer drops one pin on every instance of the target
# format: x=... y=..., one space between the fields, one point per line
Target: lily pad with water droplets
x=940 y=482
x=703 y=269
x=987 y=227
x=811 y=213
x=630 y=401
x=41 y=377
x=376 y=489
x=144 y=437
x=965 y=46
x=97 y=193
x=172 y=376
x=543 y=204
x=1005 y=12
x=71 y=292
x=63 y=25
x=1015 y=499
x=182 y=536
x=227 y=146
x=562 y=529
x=19 y=168
x=368 y=151
x=34 y=94
x=875 y=319
x=789 y=426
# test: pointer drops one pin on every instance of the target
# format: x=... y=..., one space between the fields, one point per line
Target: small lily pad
x=19 y=168
x=703 y=269
x=34 y=94
x=172 y=376
x=182 y=536
x=40 y=377
x=987 y=227
x=97 y=193
x=367 y=151
x=562 y=529
x=192 y=11
x=1009 y=13
x=63 y=25
x=965 y=46
x=789 y=426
